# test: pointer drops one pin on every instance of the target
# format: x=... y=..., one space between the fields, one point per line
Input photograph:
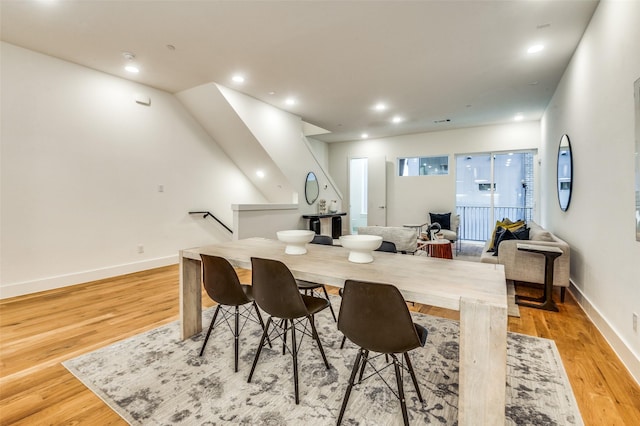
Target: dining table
x=476 y=290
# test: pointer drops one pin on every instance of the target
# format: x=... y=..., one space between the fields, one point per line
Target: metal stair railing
x=206 y=213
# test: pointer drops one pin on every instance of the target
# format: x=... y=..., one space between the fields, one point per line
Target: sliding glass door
x=490 y=187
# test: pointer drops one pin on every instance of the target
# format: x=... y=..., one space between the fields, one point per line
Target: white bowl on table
x=296 y=240
x=361 y=247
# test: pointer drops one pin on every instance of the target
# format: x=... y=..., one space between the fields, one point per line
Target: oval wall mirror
x=311 y=188
x=565 y=173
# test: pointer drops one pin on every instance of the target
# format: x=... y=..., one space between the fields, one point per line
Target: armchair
x=449 y=230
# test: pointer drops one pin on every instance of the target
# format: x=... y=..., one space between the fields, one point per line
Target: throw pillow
x=519 y=234
x=444 y=219
x=506 y=224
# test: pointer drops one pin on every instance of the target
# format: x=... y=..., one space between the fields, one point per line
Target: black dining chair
x=223 y=287
x=276 y=292
x=310 y=286
x=387 y=246
x=376 y=318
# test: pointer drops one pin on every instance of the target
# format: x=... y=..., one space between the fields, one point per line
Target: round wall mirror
x=565 y=173
x=311 y=188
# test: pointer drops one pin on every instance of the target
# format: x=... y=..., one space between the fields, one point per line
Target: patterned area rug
x=156 y=379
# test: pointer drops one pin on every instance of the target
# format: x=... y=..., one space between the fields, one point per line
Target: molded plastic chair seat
x=223 y=286
x=376 y=318
x=276 y=292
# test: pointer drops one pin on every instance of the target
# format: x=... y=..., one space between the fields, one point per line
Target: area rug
x=156 y=379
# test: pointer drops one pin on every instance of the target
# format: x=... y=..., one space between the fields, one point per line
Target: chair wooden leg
x=284 y=337
x=255 y=360
x=326 y=295
x=365 y=357
x=403 y=403
x=413 y=376
x=255 y=305
x=347 y=393
x=294 y=352
x=563 y=290
x=236 y=336
x=317 y=339
x=206 y=339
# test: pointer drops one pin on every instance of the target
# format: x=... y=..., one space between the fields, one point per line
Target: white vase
x=333 y=207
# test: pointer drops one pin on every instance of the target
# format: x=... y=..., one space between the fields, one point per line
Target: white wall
x=594 y=105
x=410 y=199
x=81 y=164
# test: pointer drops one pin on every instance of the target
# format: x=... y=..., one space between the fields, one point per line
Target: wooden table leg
x=190 y=297
x=483 y=363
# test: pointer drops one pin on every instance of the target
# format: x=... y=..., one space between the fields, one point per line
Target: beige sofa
x=529 y=267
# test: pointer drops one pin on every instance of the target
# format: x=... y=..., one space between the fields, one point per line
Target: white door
x=367 y=192
x=377 y=191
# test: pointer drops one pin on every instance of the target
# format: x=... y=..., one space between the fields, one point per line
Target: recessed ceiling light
x=364 y=135
x=518 y=117
x=535 y=48
x=380 y=106
x=290 y=101
x=397 y=119
x=272 y=93
x=260 y=174
x=130 y=66
x=237 y=79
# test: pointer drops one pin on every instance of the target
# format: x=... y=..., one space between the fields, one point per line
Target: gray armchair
x=452 y=233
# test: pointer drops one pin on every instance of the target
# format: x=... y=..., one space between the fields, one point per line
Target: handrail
x=205 y=213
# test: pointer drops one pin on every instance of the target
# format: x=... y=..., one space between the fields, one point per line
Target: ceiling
x=428 y=61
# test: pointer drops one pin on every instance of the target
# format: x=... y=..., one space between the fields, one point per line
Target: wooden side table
x=546 y=301
x=437 y=248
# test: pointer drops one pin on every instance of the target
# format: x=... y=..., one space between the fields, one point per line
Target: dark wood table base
x=546 y=301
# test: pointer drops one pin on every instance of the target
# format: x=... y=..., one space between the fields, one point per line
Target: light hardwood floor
x=40 y=331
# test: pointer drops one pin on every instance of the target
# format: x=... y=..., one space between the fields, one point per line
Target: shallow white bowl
x=360 y=247
x=296 y=239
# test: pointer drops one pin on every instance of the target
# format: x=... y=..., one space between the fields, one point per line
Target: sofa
x=529 y=267
x=405 y=239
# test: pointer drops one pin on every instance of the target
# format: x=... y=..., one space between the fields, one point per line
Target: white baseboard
x=49 y=283
x=626 y=355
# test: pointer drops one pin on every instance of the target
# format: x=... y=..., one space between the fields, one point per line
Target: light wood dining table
x=477 y=290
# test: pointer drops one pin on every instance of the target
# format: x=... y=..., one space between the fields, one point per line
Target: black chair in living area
x=387 y=246
x=223 y=287
x=309 y=286
x=276 y=292
x=376 y=318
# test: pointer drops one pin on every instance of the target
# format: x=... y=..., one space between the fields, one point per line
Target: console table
x=546 y=301
x=336 y=222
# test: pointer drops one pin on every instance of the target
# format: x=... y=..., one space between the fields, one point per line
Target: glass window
x=423 y=166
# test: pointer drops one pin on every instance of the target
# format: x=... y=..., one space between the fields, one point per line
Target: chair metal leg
x=364 y=363
x=344 y=339
x=236 y=336
x=255 y=360
x=295 y=361
x=403 y=403
x=326 y=295
x=317 y=338
x=354 y=370
x=206 y=339
x=413 y=376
